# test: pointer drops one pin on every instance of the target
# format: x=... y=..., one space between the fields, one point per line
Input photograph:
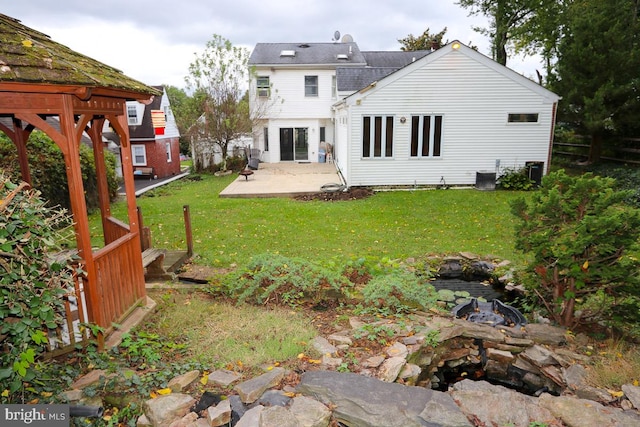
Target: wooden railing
x=74 y=331
x=114 y=229
x=119 y=280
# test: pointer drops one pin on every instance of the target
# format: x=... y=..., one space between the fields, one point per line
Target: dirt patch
x=350 y=194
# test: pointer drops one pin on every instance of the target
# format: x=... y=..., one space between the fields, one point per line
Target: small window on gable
x=132 y=115
x=523 y=118
x=263 y=87
x=310 y=85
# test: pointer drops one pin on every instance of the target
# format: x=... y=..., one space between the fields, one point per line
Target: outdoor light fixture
x=403 y=119
x=455 y=46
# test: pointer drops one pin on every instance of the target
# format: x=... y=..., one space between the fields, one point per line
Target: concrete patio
x=284 y=179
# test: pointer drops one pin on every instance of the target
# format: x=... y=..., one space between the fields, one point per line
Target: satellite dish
x=347 y=38
x=336 y=35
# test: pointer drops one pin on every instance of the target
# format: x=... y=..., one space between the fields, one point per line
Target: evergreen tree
x=598 y=69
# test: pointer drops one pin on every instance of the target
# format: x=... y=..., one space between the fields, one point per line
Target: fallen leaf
x=5 y=393
x=164 y=391
x=27 y=43
x=616 y=394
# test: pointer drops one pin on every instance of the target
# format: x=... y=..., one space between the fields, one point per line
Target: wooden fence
x=623 y=150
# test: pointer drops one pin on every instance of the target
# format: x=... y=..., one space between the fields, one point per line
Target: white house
x=400 y=118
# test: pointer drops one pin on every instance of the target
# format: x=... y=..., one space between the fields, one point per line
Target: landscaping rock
x=274 y=398
x=251 y=390
x=183 y=381
x=362 y=401
x=277 y=416
x=163 y=410
x=223 y=377
x=587 y=413
x=186 y=421
x=391 y=368
x=323 y=346
x=633 y=394
x=397 y=350
x=220 y=414
x=494 y=405
x=251 y=418
x=310 y=412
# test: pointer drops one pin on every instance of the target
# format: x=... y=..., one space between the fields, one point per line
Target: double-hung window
x=132 y=115
x=263 y=86
x=139 y=154
x=310 y=85
x=377 y=136
x=426 y=136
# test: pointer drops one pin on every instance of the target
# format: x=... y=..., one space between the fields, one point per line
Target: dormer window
x=132 y=115
x=288 y=53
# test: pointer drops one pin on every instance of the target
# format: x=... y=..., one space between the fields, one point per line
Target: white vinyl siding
x=474 y=98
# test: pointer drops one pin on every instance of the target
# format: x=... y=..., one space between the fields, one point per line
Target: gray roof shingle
x=354 y=69
x=307 y=54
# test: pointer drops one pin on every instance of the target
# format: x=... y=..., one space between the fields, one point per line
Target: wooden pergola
x=41 y=80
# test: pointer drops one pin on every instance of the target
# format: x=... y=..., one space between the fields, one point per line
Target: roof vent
x=304 y=46
x=288 y=53
x=342 y=56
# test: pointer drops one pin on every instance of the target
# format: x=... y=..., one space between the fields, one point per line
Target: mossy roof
x=29 y=56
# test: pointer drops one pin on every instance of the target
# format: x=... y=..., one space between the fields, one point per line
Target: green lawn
x=395 y=224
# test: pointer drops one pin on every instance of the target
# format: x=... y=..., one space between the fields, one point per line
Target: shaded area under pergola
x=40 y=80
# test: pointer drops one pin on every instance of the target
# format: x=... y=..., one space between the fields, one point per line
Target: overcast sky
x=155 y=41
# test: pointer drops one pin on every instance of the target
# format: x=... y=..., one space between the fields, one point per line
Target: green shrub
x=48 y=170
x=516 y=180
x=32 y=284
x=236 y=163
x=399 y=291
x=278 y=280
x=583 y=244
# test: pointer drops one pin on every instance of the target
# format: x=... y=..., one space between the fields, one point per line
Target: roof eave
x=81 y=91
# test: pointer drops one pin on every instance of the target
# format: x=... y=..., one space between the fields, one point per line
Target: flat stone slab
x=363 y=401
x=250 y=391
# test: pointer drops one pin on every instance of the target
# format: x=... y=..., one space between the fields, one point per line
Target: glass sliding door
x=294 y=144
x=302 y=144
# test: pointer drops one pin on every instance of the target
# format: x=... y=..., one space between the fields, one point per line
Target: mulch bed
x=350 y=194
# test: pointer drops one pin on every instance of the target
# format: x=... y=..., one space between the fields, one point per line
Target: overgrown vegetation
x=583 y=242
x=515 y=179
x=32 y=283
x=48 y=170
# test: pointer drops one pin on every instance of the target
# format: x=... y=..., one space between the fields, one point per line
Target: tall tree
x=426 y=41
x=597 y=70
x=504 y=17
x=186 y=110
x=220 y=73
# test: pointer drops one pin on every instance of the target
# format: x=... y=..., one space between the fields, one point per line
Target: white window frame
x=384 y=120
x=167 y=147
x=311 y=88
x=432 y=136
x=523 y=118
x=134 y=154
x=132 y=115
x=263 y=87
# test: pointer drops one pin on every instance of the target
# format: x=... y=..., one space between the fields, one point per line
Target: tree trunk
x=595 y=150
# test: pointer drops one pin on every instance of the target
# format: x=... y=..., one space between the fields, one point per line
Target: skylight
x=289 y=53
